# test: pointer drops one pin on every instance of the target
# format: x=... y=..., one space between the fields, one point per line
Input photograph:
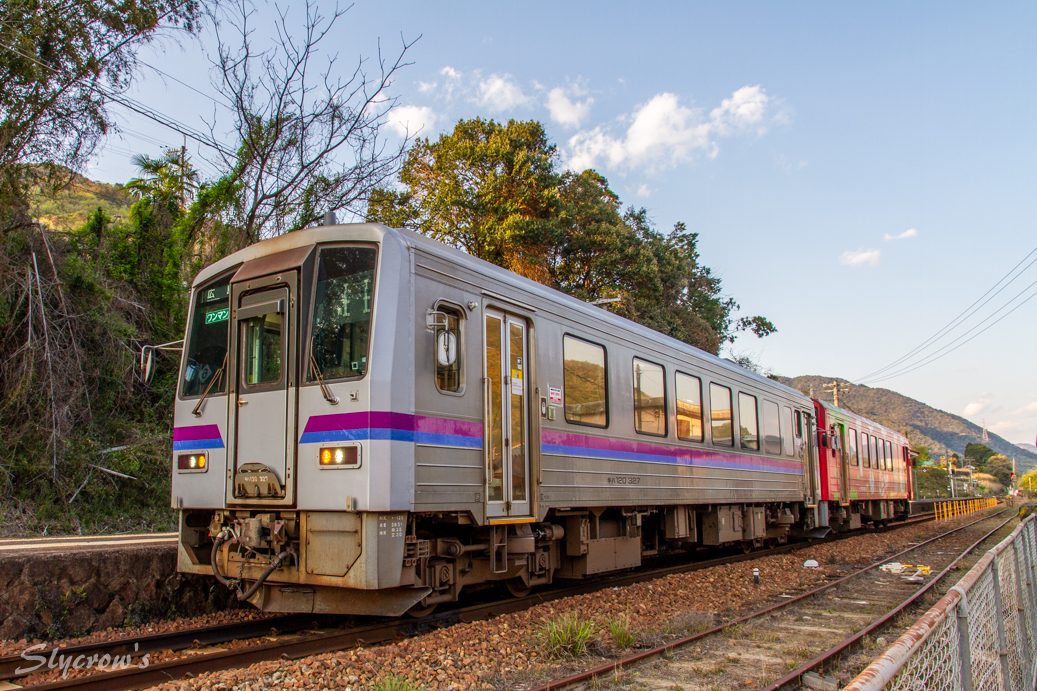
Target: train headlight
x=339 y=456
x=192 y=462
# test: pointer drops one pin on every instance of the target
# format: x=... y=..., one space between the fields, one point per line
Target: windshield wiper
x=219 y=375
x=325 y=391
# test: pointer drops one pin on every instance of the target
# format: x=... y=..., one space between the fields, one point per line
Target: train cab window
x=851 y=451
x=649 y=398
x=207 y=340
x=771 y=429
x=720 y=430
x=748 y=426
x=586 y=392
x=787 y=441
x=689 y=407
x=450 y=351
x=342 y=305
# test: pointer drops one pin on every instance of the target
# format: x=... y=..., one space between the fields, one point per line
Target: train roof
x=375 y=232
x=860 y=418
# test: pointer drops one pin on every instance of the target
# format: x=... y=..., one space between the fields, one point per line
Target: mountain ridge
x=941 y=432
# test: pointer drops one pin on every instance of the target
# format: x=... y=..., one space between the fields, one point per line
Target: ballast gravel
x=506 y=652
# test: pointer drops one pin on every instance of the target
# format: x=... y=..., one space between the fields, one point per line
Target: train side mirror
x=824 y=440
x=446 y=348
x=148 y=365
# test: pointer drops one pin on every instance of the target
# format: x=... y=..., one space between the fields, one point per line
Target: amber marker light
x=338 y=456
x=192 y=461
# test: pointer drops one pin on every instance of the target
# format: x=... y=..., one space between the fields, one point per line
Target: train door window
x=450 y=351
x=586 y=390
x=873 y=443
x=261 y=336
x=787 y=441
x=771 y=429
x=689 y=407
x=851 y=441
x=649 y=398
x=798 y=427
x=720 y=430
x=748 y=425
x=865 y=455
x=889 y=455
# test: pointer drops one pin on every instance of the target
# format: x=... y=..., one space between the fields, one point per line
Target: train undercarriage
x=392 y=563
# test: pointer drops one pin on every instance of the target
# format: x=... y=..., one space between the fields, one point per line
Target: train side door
x=507 y=423
x=265 y=388
x=844 y=466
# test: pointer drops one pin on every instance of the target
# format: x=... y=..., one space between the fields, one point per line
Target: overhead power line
x=937 y=355
x=965 y=314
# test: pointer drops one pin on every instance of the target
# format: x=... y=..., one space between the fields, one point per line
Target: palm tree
x=170 y=178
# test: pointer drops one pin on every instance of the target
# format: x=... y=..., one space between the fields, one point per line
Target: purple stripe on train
x=197 y=437
x=420 y=429
x=563 y=443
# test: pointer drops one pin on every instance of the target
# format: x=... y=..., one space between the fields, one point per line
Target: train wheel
x=417 y=611
x=516 y=587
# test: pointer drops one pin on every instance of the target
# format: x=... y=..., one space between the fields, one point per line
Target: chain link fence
x=979 y=637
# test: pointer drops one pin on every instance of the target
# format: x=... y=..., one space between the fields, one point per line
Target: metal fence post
x=964 y=644
x=999 y=613
x=1022 y=586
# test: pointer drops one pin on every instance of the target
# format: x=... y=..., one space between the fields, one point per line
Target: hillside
x=69 y=209
x=924 y=425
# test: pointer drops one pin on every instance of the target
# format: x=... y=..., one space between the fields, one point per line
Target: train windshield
x=342 y=307
x=207 y=340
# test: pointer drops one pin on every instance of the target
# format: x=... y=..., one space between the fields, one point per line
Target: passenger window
x=889 y=455
x=586 y=393
x=851 y=439
x=874 y=453
x=689 y=407
x=771 y=429
x=649 y=398
x=720 y=430
x=865 y=455
x=786 y=432
x=749 y=429
x=450 y=352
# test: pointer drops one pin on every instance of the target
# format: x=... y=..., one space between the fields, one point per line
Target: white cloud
x=499 y=93
x=450 y=73
x=427 y=87
x=663 y=132
x=411 y=120
x=565 y=111
x=975 y=408
x=644 y=191
x=861 y=256
x=909 y=233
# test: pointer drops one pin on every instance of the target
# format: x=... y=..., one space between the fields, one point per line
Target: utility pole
x=835 y=388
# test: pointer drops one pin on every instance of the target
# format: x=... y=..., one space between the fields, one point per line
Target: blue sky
x=858 y=173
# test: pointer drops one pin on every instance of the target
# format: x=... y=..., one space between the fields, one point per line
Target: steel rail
x=638 y=657
x=304 y=646
x=880 y=623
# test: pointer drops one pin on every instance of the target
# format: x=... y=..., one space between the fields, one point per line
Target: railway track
x=83 y=543
x=857 y=605
x=298 y=636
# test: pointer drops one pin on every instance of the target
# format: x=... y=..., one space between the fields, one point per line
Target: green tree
x=978 y=453
x=493 y=190
x=485 y=188
x=1000 y=467
x=62 y=66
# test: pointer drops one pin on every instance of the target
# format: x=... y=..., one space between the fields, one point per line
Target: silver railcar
x=369 y=421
